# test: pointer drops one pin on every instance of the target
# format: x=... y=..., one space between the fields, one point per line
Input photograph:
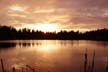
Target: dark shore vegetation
x=10 y=33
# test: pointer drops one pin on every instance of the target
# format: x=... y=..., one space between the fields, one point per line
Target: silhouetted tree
x=7 y=33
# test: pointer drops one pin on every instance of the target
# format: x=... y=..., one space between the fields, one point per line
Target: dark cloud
x=84 y=13
x=82 y=3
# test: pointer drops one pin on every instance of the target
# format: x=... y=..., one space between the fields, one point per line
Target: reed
x=93 y=61
x=2 y=65
x=86 y=61
x=107 y=65
x=33 y=70
x=13 y=69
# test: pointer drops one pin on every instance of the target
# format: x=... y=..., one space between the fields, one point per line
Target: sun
x=46 y=27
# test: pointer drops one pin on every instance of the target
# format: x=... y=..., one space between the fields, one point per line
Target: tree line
x=10 y=33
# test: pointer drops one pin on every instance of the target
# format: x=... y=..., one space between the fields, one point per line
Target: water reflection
x=53 y=55
x=7 y=45
x=28 y=44
x=20 y=44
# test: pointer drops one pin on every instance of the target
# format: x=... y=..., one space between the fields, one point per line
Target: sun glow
x=17 y=8
x=47 y=47
x=46 y=27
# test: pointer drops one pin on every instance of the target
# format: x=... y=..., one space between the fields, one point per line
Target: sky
x=82 y=15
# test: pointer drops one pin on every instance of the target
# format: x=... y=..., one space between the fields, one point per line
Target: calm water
x=53 y=55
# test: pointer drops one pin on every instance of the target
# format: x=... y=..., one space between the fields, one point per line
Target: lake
x=53 y=55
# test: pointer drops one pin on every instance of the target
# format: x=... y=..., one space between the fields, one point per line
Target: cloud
x=82 y=3
x=84 y=13
x=69 y=14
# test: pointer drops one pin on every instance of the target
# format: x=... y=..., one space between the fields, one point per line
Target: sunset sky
x=80 y=15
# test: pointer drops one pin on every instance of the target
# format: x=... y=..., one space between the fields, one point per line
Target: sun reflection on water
x=47 y=46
